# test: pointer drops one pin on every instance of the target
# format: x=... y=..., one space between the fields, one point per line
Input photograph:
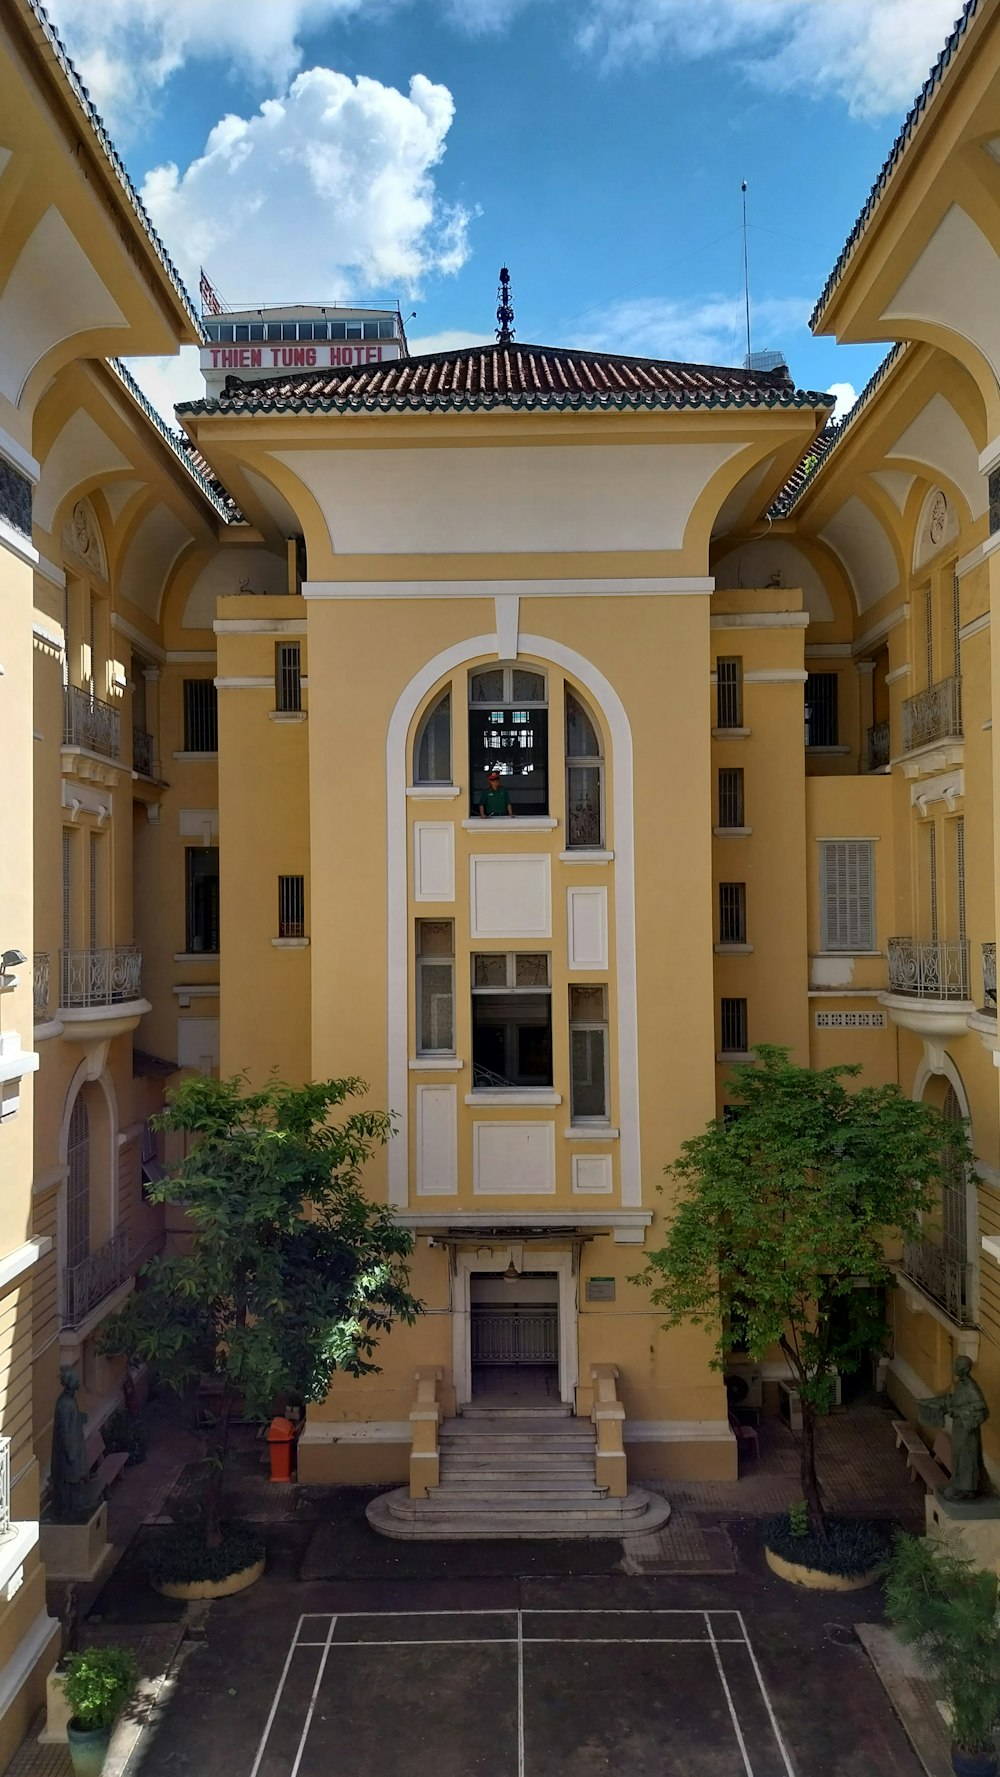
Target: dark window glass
x=732 y=913
x=731 y=809
x=729 y=692
x=734 y=1027
x=242 y=330
x=202 y=864
x=821 y=710
x=201 y=716
x=516 y=742
x=291 y=906
x=433 y=760
x=512 y=1039
x=256 y=330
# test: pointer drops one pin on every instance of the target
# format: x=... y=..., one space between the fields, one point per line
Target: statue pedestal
x=57 y=1711
x=75 y=1551
x=973 y=1523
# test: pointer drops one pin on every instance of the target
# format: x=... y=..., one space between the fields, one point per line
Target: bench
x=105 y=1466
x=746 y=1437
x=919 y=1460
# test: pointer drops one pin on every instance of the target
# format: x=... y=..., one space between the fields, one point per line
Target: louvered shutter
x=847 y=886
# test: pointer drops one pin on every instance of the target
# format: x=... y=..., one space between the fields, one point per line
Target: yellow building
x=734 y=668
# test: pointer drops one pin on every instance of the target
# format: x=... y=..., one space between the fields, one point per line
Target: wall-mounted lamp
x=10 y=959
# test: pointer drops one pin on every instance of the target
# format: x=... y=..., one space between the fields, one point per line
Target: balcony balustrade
x=142 y=752
x=936 y=970
x=990 y=978
x=878 y=746
x=933 y=714
x=41 y=985
x=87 y=1285
x=87 y=722
x=100 y=977
x=947 y=1281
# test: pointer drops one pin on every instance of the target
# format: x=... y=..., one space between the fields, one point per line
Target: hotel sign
x=321 y=355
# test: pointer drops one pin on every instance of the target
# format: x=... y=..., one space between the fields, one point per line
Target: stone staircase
x=517 y=1470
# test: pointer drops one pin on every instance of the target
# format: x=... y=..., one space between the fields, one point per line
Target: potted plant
x=98 y=1683
x=942 y=1603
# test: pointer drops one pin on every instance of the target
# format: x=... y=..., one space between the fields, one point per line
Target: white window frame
x=849 y=932
x=433 y=961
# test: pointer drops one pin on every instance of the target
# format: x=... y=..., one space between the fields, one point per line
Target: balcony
x=41 y=986
x=929 y=986
x=934 y=716
x=990 y=979
x=984 y=1020
x=878 y=746
x=91 y=724
x=948 y=1282
x=87 y=1285
x=142 y=752
x=100 y=992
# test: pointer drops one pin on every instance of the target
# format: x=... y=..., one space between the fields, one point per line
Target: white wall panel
x=513 y=1159
x=437 y=1149
x=592 y=1174
x=511 y=897
x=198 y=1043
x=587 y=927
x=433 y=861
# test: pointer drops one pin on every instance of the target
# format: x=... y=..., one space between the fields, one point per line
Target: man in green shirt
x=495 y=800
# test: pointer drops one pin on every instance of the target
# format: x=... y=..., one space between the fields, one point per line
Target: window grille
x=509 y=733
x=291 y=906
x=201 y=716
x=929 y=634
x=584 y=778
x=432 y=763
x=960 y=875
x=729 y=692
x=511 y=1019
x=847 y=894
x=954 y=1193
x=932 y=886
x=956 y=624
x=731 y=808
x=202 y=867
x=95 y=891
x=287 y=676
x=588 y=1052
x=732 y=913
x=821 y=710
x=67 y=889
x=734 y=1027
x=435 y=987
x=78 y=1184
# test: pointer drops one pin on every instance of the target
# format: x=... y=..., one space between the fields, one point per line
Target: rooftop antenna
x=505 y=310
x=746 y=268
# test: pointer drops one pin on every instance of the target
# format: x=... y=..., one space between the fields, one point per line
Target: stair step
x=470 y=1485
x=464 y=1471
x=397 y=1515
x=518 y=1410
x=486 y=1504
x=517 y=1434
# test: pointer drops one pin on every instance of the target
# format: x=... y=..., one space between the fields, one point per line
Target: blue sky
x=339 y=149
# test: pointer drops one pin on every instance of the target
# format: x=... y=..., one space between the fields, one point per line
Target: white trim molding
x=19 y=457
x=974 y=627
x=779 y=675
x=759 y=620
x=29 y=1653
x=526 y=1260
x=900 y=672
x=259 y=626
x=14 y=1264
x=643 y=587
x=880 y=630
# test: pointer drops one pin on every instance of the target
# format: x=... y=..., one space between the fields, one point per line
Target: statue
x=965 y=1403
x=70 y=1473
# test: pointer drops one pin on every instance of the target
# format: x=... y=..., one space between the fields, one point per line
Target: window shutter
x=848 y=897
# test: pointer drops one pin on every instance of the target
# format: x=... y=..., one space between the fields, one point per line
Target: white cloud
x=708 y=330
x=449 y=341
x=165 y=381
x=874 y=54
x=846 y=395
x=323 y=193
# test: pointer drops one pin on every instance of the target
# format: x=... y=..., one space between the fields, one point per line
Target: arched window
x=432 y=754
x=954 y=1195
x=78 y=1184
x=584 y=778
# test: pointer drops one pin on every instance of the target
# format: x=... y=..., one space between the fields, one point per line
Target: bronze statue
x=70 y=1473
x=965 y=1403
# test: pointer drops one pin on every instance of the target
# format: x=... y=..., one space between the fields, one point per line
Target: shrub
x=98 y=1683
x=121 y=1432
x=850 y=1548
x=938 y=1599
x=182 y=1556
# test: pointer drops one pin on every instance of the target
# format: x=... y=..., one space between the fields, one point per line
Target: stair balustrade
x=425 y=1420
x=608 y=1415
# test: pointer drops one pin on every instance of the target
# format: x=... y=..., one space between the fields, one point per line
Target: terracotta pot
x=88 y=1749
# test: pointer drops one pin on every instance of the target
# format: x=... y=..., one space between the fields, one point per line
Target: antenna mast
x=746 y=269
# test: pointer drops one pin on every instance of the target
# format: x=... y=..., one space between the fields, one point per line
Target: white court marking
x=710 y=1640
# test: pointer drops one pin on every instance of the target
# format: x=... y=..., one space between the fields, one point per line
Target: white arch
x=612 y=711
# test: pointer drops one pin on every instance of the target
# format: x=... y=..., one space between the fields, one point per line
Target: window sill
x=203 y=990
x=438 y=1064
x=514 y=1095
x=196 y=956
x=290 y=943
x=591 y=1132
x=434 y=792
x=733 y=949
x=287 y=715
x=732 y=832
x=505 y=823
x=583 y=855
x=842 y=752
x=726 y=1055
x=196 y=756
x=730 y=734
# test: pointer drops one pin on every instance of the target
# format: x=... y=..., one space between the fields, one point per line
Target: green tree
x=782 y=1220
x=289 y=1272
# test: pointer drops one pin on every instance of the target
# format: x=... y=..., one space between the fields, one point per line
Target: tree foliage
x=938 y=1599
x=782 y=1219
x=290 y=1272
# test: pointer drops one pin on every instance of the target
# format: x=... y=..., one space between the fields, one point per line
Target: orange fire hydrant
x=281 y=1436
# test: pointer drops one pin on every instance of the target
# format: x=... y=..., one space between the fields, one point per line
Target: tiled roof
x=116 y=166
x=191 y=460
x=910 y=126
x=832 y=435
x=516 y=376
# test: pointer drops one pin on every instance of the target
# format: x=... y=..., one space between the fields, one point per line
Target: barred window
x=734 y=1027
x=288 y=676
x=435 y=987
x=731 y=808
x=821 y=710
x=847 y=894
x=78 y=1183
x=291 y=906
x=588 y=1054
x=201 y=716
x=729 y=691
x=732 y=913
x=202 y=886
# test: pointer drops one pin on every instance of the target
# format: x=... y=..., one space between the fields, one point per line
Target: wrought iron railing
x=41 y=985
x=947 y=1281
x=87 y=1285
x=514 y=1336
x=4 y=1486
x=933 y=714
x=990 y=978
x=100 y=977
x=878 y=746
x=142 y=752
x=87 y=722
x=937 y=970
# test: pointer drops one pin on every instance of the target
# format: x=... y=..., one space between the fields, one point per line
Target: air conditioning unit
x=791 y=1407
x=744 y=1386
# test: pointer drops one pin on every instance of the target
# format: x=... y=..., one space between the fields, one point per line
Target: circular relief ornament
x=938 y=518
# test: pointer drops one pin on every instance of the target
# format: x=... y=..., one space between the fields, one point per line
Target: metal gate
x=515 y=1335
